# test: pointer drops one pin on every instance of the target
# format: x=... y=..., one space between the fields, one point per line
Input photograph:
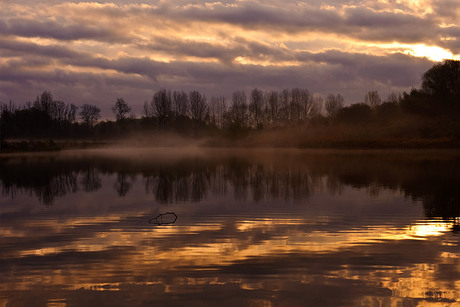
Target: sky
x=95 y=52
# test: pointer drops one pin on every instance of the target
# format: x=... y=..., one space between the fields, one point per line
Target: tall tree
x=180 y=104
x=238 y=114
x=121 y=109
x=393 y=98
x=256 y=108
x=198 y=107
x=333 y=104
x=284 y=99
x=295 y=104
x=316 y=110
x=306 y=102
x=442 y=82
x=43 y=103
x=273 y=108
x=372 y=99
x=217 y=110
x=161 y=103
x=89 y=114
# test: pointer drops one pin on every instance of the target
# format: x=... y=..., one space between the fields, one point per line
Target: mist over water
x=253 y=227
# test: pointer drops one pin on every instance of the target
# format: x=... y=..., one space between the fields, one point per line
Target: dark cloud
x=370 y=25
x=350 y=74
x=451 y=38
x=16 y=47
x=56 y=30
x=226 y=53
x=128 y=49
x=398 y=69
x=449 y=9
x=354 y=22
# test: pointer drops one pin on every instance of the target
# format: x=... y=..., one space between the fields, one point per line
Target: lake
x=195 y=227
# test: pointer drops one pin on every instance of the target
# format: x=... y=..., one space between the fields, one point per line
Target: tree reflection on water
x=280 y=228
x=432 y=180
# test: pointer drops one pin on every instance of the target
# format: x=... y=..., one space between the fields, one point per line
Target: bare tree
x=238 y=114
x=256 y=107
x=180 y=104
x=284 y=99
x=333 y=104
x=372 y=99
x=273 y=107
x=393 y=98
x=161 y=104
x=148 y=110
x=89 y=114
x=121 y=109
x=198 y=107
x=57 y=110
x=71 y=112
x=295 y=104
x=217 y=110
x=306 y=102
x=316 y=109
x=43 y=103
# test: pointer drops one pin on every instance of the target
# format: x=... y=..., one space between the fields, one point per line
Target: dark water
x=258 y=228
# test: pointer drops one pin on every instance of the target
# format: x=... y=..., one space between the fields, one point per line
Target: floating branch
x=164 y=219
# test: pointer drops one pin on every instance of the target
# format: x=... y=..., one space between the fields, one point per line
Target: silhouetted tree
x=372 y=99
x=89 y=114
x=316 y=110
x=295 y=104
x=148 y=110
x=393 y=98
x=306 y=102
x=238 y=113
x=357 y=113
x=216 y=111
x=387 y=111
x=333 y=104
x=161 y=103
x=121 y=109
x=43 y=103
x=198 y=108
x=284 y=99
x=4 y=116
x=273 y=108
x=418 y=102
x=62 y=115
x=442 y=82
x=180 y=104
x=256 y=107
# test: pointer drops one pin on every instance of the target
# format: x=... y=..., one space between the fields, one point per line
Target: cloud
x=17 y=47
x=352 y=74
x=233 y=248
x=57 y=30
x=131 y=48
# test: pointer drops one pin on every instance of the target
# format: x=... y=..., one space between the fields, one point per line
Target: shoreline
x=442 y=144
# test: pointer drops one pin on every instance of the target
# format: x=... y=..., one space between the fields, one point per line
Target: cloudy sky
x=94 y=52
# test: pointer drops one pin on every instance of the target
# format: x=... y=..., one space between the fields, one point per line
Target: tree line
x=193 y=113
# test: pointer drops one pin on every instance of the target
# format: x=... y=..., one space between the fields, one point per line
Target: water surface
x=253 y=228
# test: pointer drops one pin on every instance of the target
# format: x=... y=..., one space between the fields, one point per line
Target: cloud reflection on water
x=250 y=231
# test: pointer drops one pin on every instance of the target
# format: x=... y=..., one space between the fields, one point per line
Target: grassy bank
x=407 y=132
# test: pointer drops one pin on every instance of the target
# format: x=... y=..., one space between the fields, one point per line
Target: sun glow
x=423 y=230
x=431 y=52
